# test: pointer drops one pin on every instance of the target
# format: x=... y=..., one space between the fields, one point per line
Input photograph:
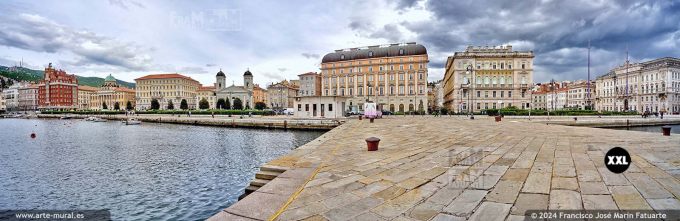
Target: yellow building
x=110 y=93
x=488 y=78
x=164 y=88
x=207 y=93
x=85 y=94
x=259 y=94
x=394 y=76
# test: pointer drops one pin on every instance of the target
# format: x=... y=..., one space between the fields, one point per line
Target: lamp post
x=470 y=71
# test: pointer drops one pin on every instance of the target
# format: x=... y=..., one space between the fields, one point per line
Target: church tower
x=248 y=80
x=221 y=81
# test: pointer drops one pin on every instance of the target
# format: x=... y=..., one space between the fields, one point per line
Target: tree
x=104 y=107
x=260 y=105
x=183 y=104
x=238 y=105
x=2 y=83
x=170 y=105
x=220 y=103
x=128 y=106
x=116 y=106
x=155 y=105
x=203 y=104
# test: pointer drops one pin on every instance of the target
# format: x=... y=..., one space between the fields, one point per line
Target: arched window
x=524 y=79
x=465 y=80
x=495 y=80
x=502 y=80
x=486 y=80
x=479 y=80
x=509 y=80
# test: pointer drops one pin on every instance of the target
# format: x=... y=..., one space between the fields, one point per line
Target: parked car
x=386 y=112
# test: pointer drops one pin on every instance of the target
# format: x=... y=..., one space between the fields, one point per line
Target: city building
x=3 y=106
x=207 y=93
x=557 y=99
x=85 y=94
x=310 y=84
x=112 y=94
x=578 y=95
x=652 y=86
x=439 y=94
x=233 y=92
x=281 y=95
x=11 y=95
x=538 y=100
x=320 y=106
x=488 y=78
x=431 y=96
x=259 y=94
x=394 y=76
x=58 y=90
x=165 y=87
x=28 y=97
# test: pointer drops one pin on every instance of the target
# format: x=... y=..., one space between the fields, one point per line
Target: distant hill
x=25 y=74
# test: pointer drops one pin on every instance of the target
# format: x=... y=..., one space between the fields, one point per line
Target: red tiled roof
x=206 y=88
x=164 y=76
x=124 y=89
x=87 y=88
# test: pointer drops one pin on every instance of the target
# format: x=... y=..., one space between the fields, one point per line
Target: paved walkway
x=431 y=168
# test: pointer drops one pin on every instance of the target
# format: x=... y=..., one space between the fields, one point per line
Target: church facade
x=230 y=93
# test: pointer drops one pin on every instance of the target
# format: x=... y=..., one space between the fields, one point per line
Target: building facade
x=651 y=86
x=11 y=95
x=207 y=93
x=57 y=90
x=164 y=88
x=557 y=99
x=281 y=95
x=259 y=94
x=85 y=94
x=110 y=93
x=320 y=106
x=244 y=93
x=498 y=77
x=394 y=76
x=28 y=97
x=578 y=96
x=310 y=84
x=538 y=100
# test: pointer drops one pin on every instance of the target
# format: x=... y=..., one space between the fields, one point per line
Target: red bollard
x=372 y=143
x=666 y=130
x=498 y=118
x=360 y=117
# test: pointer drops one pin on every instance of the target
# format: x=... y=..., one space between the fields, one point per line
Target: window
x=350 y=91
x=370 y=53
x=401 y=67
x=342 y=56
x=486 y=94
x=299 y=107
x=306 y=107
x=330 y=107
x=420 y=76
x=478 y=94
x=401 y=51
x=502 y=93
x=410 y=66
x=494 y=93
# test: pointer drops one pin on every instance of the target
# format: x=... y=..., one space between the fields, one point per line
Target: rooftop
x=164 y=76
x=376 y=51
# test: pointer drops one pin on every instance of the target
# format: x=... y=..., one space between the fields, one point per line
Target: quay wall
x=270 y=123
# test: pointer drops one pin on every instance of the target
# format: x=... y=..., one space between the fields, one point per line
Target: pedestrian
x=213 y=114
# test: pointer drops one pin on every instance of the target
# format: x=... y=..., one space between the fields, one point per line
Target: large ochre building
x=165 y=88
x=499 y=77
x=393 y=75
x=110 y=93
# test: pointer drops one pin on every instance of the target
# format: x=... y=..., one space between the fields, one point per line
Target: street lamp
x=470 y=71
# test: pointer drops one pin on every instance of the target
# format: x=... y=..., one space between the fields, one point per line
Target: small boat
x=66 y=117
x=132 y=121
x=90 y=118
x=99 y=120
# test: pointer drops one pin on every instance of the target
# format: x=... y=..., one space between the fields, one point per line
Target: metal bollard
x=372 y=143
x=371 y=119
x=666 y=130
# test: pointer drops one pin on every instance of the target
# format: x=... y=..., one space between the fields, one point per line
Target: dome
x=375 y=51
x=110 y=78
x=220 y=74
x=247 y=73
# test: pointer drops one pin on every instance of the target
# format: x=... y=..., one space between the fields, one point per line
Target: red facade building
x=57 y=90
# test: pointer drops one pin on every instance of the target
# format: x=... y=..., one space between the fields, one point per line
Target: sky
x=278 y=40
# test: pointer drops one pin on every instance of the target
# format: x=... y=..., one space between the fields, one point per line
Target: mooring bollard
x=666 y=130
x=285 y=124
x=360 y=117
x=371 y=119
x=498 y=118
x=575 y=118
x=372 y=143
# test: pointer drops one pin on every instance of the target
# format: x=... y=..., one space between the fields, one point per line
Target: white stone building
x=557 y=100
x=320 y=106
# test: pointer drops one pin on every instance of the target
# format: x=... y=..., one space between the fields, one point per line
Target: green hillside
x=25 y=74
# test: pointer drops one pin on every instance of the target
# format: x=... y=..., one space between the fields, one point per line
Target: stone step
x=258 y=182
x=266 y=175
x=273 y=168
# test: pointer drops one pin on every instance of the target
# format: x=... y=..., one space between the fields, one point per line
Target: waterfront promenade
x=452 y=168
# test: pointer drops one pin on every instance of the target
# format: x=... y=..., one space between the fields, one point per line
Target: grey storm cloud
x=36 y=33
x=557 y=31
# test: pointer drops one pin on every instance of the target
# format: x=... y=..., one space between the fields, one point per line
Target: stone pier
x=450 y=168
